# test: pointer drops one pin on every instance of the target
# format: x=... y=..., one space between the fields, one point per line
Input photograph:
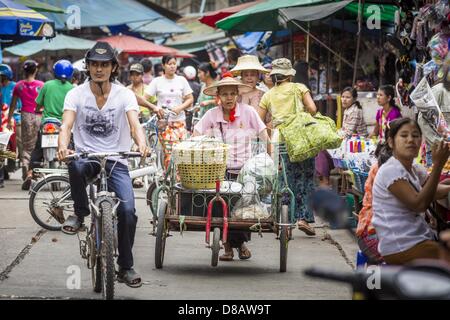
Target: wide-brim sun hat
x=248 y=62
x=227 y=81
x=282 y=66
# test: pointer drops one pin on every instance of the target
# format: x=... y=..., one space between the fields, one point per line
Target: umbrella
x=60 y=42
x=96 y=13
x=211 y=18
x=41 y=7
x=18 y=21
x=138 y=46
x=262 y=16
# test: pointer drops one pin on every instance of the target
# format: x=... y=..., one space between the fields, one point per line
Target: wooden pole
x=360 y=19
x=341 y=65
x=307 y=45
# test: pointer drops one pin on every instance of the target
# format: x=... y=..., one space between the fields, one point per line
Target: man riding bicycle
x=102 y=114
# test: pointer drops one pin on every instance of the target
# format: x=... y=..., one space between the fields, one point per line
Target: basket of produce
x=200 y=162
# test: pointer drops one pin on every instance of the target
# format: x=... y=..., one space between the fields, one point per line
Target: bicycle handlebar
x=128 y=154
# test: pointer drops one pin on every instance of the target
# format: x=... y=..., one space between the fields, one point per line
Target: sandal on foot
x=306 y=228
x=130 y=277
x=228 y=255
x=244 y=253
x=72 y=225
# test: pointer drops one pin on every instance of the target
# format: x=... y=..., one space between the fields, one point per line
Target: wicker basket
x=200 y=162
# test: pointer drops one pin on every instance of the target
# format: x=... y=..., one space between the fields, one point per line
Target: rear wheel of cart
x=161 y=235
x=215 y=247
x=284 y=237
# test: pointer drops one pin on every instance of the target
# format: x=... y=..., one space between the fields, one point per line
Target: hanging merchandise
x=431 y=118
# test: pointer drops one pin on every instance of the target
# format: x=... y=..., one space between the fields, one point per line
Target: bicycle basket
x=201 y=161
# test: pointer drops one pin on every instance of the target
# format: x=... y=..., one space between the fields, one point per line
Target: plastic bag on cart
x=262 y=168
x=249 y=206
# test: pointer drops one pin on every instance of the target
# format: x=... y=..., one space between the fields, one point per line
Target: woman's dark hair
x=302 y=73
x=384 y=151
x=29 y=67
x=389 y=91
x=158 y=68
x=166 y=59
x=278 y=78
x=397 y=124
x=233 y=54
x=354 y=94
x=147 y=64
x=208 y=68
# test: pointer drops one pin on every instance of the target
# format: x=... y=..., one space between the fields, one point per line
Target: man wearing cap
x=237 y=124
x=102 y=114
x=283 y=101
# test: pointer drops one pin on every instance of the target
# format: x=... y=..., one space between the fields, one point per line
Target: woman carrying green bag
x=283 y=101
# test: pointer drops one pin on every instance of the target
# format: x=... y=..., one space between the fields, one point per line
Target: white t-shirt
x=170 y=93
x=105 y=130
x=398 y=228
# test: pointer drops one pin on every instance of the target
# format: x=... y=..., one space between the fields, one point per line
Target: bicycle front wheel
x=107 y=251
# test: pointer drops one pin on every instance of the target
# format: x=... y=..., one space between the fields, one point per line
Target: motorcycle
x=421 y=279
x=49 y=141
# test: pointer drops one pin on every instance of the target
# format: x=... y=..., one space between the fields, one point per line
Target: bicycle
x=100 y=246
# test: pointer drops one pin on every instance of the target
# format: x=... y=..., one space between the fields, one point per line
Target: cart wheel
x=215 y=247
x=161 y=234
x=284 y=238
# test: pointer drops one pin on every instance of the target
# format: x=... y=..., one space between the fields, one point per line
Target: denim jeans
x=119 y=182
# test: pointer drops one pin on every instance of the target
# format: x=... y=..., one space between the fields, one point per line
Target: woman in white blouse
x=402 y=193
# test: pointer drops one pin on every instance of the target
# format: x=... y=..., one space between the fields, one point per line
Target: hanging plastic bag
x=262 y=168
x=249 y=206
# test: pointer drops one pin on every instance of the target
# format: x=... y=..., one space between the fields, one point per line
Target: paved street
x=33 y=262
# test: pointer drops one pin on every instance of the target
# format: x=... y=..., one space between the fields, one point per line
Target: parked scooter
x=422 y=279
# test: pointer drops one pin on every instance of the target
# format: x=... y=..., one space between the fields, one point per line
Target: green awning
x=41 y=7
x=263 y=16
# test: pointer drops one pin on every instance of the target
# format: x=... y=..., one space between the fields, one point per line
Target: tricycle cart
x=182 y=208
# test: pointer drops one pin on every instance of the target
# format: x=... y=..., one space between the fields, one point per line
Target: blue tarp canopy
x=95 y=13
x=249 y=41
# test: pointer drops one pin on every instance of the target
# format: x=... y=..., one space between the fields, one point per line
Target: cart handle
x=217 y=198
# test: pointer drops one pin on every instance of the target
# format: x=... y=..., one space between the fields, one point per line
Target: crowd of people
x=248 y=102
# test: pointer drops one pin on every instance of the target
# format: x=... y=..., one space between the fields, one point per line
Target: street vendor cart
x=197 y=196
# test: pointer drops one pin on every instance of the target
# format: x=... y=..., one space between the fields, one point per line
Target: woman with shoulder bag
x=282 y=101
